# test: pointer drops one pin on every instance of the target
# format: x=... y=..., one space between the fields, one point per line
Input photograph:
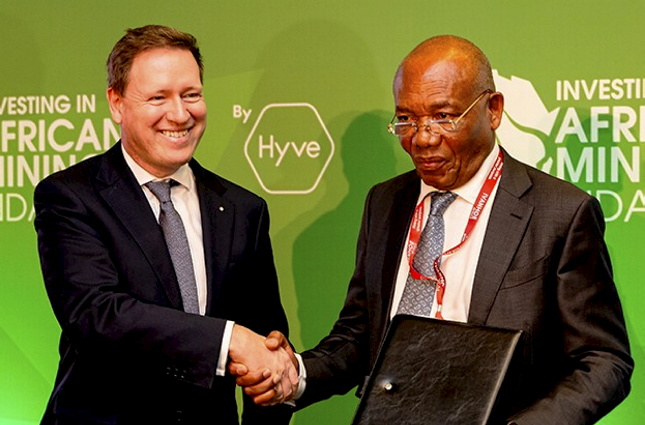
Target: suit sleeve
x=595 y=375
x=101 y=312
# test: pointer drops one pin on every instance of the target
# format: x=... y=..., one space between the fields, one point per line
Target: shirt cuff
x=223 y=351
x=302 y=377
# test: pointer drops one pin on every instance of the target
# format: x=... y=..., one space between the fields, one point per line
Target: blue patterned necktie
x=177 y=242
x=418 y=295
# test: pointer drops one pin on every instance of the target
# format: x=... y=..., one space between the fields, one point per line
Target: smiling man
x=147 y=256
x=163 y=116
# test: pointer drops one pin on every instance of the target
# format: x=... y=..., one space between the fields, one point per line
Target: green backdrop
x=299 y=96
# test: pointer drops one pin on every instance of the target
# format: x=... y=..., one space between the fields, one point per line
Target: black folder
x=436 y=372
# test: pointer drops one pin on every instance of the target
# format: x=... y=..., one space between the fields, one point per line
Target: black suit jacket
x=543 y=269
x=129 y=354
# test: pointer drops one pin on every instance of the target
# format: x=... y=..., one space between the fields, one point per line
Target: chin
x=181 y=156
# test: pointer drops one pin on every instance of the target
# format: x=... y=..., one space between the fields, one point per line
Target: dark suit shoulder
x=224 y=187
x=79 y=177
x=541 y=178
x=108 y=166
x=392 y=200
x=401 y=180
x=76 y=171
x=396 y=184
x=537 y=187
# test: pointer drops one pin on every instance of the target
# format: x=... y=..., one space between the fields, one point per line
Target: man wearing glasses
x=521 y=250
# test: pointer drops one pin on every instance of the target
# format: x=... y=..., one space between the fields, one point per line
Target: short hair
x=142 y=39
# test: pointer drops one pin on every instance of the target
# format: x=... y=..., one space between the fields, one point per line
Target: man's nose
x=178 y=111
x=424 y=137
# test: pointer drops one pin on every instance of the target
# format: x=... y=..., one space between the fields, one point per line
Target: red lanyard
x=416 y=228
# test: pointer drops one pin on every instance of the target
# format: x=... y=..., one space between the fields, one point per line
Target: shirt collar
x=471 y=188
x=183 y=175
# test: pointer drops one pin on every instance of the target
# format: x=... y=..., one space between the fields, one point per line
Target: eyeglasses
x=435 y=127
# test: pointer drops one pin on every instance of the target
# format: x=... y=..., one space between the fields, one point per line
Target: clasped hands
x=266 y=368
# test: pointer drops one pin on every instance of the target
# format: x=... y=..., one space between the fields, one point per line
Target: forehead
x=160 y=59
x=432 y=84
x=171 y=67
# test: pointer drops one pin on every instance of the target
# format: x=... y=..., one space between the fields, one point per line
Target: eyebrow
x=437 y=105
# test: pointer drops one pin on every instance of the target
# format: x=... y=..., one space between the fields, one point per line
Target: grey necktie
x=177 y=242
x=418 y=295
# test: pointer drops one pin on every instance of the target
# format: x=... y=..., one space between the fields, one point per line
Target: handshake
x=266 y=368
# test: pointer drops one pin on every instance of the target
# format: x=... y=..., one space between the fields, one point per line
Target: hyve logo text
x=289 y=148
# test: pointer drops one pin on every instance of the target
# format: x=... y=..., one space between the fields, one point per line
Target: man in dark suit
x=136 y=346
x=535 y=259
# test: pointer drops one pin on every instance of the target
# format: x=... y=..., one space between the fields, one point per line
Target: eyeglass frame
x=392 y=126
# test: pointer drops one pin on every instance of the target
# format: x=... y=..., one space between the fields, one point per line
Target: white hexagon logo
x=289 y=148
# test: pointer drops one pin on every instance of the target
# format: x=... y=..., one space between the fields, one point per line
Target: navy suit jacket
x=543 y=269
x=129 y=354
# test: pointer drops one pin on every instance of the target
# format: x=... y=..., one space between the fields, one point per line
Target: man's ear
x=115 y=101
x=495 y=108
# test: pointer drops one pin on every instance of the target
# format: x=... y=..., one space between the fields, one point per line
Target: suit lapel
x=507 y=223
x=400 y=214
x=118 y=187
x=218 y=219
